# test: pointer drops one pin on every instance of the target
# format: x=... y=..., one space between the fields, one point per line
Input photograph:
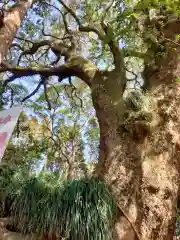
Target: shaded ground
x=3 y=230
x=8 y=235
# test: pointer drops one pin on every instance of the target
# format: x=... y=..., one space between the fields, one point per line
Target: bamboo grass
x=76 y=210
x=10 y=181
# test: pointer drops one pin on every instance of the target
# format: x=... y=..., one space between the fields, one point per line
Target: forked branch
x=34 y=48
x=113 y=44
x=82 y=28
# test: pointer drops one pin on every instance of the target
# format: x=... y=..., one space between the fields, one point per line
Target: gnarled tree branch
x=58 y=48
x=34 y=48
x=76 y=66
x=112 y=43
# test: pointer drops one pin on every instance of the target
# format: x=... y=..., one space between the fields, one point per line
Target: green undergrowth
x=75 y=210
x=10 y=180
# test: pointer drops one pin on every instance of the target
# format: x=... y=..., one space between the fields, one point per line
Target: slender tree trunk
x=12 y=21
x=142 y=167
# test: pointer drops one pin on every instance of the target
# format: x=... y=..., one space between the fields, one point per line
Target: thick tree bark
x=142 y=167
x=12 y=21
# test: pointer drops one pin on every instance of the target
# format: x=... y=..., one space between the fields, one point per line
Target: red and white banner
x=8 y=120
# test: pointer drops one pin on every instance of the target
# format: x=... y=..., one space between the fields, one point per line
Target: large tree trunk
x=142 y=166
x=12 y=21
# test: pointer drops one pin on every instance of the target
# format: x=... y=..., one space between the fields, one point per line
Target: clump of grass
x=9 y=177
x=87 y=210
x=10 y=181
x=26 y=208
x=76 y=210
